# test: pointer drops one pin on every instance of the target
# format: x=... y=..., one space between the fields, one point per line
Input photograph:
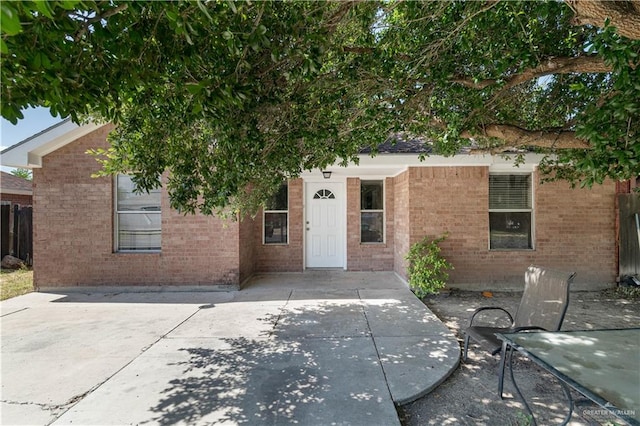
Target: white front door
x=324 y=224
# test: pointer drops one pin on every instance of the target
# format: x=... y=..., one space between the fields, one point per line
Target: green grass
x=15 y=283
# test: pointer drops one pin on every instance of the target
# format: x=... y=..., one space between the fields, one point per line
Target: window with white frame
x=276 y=217
x=371 y=211
x=138 y=218
x=510 y=212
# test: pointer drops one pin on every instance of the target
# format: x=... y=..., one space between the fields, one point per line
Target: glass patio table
x=602 y=365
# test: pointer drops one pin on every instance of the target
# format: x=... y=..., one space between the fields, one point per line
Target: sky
x=35 y=120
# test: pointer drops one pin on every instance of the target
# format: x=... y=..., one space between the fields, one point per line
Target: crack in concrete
x=38 y=404
x=14 y=312
x=59 y=410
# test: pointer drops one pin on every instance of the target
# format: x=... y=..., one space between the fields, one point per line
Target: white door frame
x=315 y=183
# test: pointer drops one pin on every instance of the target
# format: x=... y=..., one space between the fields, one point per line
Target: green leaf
x=232 y=5
x=194 y=88
x=291 y=86
x=204 y=10
x=44 y=7
x=9 y=19
x=172 y=15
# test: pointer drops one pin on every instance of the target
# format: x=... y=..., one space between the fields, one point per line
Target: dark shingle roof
x=10 y=183
x=398 y=144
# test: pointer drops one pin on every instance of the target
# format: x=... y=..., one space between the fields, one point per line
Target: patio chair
x=542 y=307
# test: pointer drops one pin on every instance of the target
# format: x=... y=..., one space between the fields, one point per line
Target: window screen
x=138 y=217
x=276 y=217
x=510 y=211
x=371 y=212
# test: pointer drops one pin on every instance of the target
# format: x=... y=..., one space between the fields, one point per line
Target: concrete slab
x=260 y=294
x=28 y=414
x=237 y=319
x=316 y=349
x=327 y=280
x=399 y=313
x=322 y=318
x=320 y=294
x=244 y=381
x=148 y=297
x=54 y=354
x=416 y=365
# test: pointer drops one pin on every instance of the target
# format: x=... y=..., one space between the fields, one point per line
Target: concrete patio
x=316 y=348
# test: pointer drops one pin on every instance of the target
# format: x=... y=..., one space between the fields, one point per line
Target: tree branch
x=514 y=136
x=99 y=17
x=624 y=15
x=554 y=65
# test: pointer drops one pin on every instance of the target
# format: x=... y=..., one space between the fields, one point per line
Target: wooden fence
x=17 y=232
x=629 y=205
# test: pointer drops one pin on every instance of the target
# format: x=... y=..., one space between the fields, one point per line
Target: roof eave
x=15 y=191
x=28 y=153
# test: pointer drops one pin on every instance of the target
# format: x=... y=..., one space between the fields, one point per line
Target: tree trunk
x=515 y=137
x=623 y=14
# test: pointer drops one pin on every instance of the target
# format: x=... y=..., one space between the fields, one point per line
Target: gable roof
x=394 y=155
x=29 y=152
x=10 y=184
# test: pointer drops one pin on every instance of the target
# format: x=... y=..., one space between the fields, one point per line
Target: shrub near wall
x=427 y=267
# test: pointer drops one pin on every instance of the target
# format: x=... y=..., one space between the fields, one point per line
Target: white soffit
x=390 y=165
x=29 y=152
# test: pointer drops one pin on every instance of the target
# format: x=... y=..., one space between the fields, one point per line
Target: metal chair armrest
x=488 y=308
x=527 y=328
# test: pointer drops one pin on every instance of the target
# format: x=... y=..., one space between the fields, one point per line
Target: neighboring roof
x=10 y=184
x=29 y=152
x=400 y=145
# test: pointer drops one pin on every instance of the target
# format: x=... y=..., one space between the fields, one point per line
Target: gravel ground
x=470 y=397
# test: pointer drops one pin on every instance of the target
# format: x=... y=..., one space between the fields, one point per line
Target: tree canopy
x=232 y=97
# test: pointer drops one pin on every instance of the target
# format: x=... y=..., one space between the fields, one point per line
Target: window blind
x=510 y=192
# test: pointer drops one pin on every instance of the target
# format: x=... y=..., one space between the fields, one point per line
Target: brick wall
x=453 y=200
x=20 y=199
x=371 y=256
x=401 y=222
x=73 y=232
x=247 y=248
x=574 y=229
x=283 y=257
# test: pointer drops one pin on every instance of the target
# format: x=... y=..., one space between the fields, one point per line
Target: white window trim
x=531 y=210
x=384 y=212
x=264 y=223
x=116 y=224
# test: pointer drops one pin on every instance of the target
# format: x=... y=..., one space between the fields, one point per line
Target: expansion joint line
x=375 y=346
x=75 y=400
x=281 y=313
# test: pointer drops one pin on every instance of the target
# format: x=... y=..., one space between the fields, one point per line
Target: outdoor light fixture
x=326 y=174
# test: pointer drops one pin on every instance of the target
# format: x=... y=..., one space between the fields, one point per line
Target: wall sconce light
x=326 y=174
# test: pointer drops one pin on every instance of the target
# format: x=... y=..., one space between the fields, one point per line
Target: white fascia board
x=507 y=164
x=390 y=165
x=15 y=191
x=28 y=153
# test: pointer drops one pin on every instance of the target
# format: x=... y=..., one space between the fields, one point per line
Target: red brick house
x=500 y=219
x=15 y=190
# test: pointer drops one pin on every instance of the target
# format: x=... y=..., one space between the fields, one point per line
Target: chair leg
x=466 y=348
x=503 y=358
